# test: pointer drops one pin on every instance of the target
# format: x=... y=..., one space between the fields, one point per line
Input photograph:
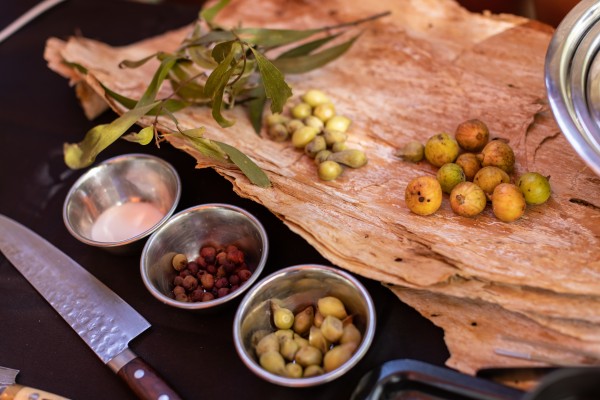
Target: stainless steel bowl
x=133 y=179
x=186 y=232
x=295 y=287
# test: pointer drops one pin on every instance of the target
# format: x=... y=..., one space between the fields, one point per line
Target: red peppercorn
x=208 y=281
x=244 y=274
x=221 y=283
x=178 y=281
x=234 y=280
x=222 y=292
x=207 y=296
x=208 y=252
x=193 y=267
x=190 y=283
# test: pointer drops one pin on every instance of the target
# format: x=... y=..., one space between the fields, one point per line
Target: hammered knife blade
x=100 y=317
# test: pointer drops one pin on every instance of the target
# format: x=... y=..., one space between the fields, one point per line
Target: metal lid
x=573 y=80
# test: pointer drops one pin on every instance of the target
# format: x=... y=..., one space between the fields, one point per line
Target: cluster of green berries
x=314 y=127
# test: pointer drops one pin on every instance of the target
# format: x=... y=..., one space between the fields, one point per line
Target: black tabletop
x=194 y=352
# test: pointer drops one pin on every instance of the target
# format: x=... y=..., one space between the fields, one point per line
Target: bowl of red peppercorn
x=204 y=256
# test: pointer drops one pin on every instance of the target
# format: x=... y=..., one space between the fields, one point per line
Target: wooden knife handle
x=19 y=392
x=145 y=382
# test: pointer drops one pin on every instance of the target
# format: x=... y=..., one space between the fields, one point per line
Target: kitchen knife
x=98 y=315
x=10 y=390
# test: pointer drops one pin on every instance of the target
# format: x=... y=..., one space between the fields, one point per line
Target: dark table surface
x=193 y=352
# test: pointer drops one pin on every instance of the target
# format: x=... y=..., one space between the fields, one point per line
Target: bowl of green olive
x=304 y=325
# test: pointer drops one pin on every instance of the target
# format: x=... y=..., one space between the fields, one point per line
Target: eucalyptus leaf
x=206 y=147
x=208 y=14
x=256 y=107
x=302 y=64
x=157 y=80
x=256 y=175
x=308 y=48
x=136 y=63
x=171 y=105
x=274 y=83
x=222 y=50
x=215 y=88
x=272 y=38
x=82 y=154
x=142 y=137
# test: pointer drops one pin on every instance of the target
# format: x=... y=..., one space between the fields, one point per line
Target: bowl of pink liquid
x=121 y=201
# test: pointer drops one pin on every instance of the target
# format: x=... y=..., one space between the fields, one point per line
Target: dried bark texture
x=421 y=71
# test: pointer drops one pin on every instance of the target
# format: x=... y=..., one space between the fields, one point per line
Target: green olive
x=303 y=136
x=329 y=170
x=339 y=146
x=337 y=356
x=283 y=318
x=313 y=370
x=304 y=320
x=278 y=132
x=314 y=122
x=267 y=344
x=352 y=158
x=315 y=97
x=315 y=146
x=308 y=355
x=294 y=125
x=332 y=328
x=324 y=111
x=277 y=118
x=273 y=362
x=331 y=305
x=338 y=123
x=301 y=111
x=332 y=137
x=293 y=370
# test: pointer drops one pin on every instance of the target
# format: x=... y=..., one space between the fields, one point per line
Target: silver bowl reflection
x=296 y=287
x=121 y=201
x=186 y=232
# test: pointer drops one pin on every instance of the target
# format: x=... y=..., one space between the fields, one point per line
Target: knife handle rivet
x=138 y=374
x=163 y=397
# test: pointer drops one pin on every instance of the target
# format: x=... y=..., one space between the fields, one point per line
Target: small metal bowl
x=186 y=232
x=139 y=191
x=297 y=287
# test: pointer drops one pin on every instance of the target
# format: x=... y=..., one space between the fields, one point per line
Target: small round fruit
x=441 y=149
x=450 y=175
x=303 y=136
x=470 y=164
x=301 y=110
x=508 y=203
x=499 y=154
x=412 y=151
x=329 y=170
x=423 y=195
x=472 y=135
x=535 y=187
x=467 y=199
x=315 y=97
x=487 y=178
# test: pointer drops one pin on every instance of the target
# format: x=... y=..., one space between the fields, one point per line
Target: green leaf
x=222 y=50
x=308 y=48
x=208 y=14
x=171 y=105
x=215 y=87
x=136 y=63
x=206 y=147
x=271 y=38
x=301 y=64
x=157 y=80
x=274 y=83
x=84 y=153
x=143 y=137
x=215 y=36
x=256 y=175
x=256 y=107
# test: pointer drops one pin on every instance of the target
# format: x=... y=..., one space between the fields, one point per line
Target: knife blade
x=10 y=390
x=104 y=321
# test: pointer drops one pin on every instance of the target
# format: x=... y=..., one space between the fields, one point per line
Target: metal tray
x=417 y=380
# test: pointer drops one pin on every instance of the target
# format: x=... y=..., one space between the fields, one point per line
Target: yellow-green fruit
x=470 y=164
x=315 y=97
x=508 y=203
x=499 y=154
x=315 y=146
x=329 y=170
x=441 y=149
x=313 y=370
x=293 y=370
x=338 y=123
x=277 y=118
x=423 y=195
x=303 y=136
x=278 y=132
x=412 y=151
x=315 y=122
x=535 y=187
x=487 y=178
x=301 y=111
x=293 y=125
x=324 y=111
x=472 y=135
x=450 y=175
x=332 y=137
x=352 y=158
x=467 y=199
x=283 y=318
x=330 y=305
x=273 y=362
x=337 y=356
x=308 y=355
